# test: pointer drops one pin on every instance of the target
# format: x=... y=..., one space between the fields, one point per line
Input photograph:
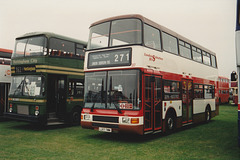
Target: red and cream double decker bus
x=223 y=89
x=5 y=78
x=141 y=77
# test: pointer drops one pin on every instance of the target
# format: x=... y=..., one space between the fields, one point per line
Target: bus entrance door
x=57 y=92
x=61 y=96
x=152 y=103
x=4 y=89
x=187 y=100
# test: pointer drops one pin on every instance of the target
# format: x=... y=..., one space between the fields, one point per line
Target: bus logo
x=125 y=105
x=152 y=57
x=8 y=72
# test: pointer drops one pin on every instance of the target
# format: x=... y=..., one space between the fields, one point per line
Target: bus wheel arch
x=75 y=117
x=170 y=120
x=208 y=113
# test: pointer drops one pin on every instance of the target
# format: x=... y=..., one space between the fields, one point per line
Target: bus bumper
x=138 y=129
x=26 y=118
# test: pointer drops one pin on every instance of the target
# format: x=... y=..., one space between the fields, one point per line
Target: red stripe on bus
x=6 y=50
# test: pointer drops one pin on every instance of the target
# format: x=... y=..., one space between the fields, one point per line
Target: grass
x=215 y=140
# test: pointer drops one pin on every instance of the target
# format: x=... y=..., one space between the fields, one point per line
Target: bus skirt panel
x=26 y=118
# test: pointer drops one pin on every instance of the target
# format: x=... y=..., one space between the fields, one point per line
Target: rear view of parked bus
x=223 y=89
x=47 y=79
x=141 y=78
x=5 y=78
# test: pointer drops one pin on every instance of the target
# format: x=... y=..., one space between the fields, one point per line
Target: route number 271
x=121 y=57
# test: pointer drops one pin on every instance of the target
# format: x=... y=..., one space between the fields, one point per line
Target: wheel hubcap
x=75 y=117
x=170 y=123
x=208 y=115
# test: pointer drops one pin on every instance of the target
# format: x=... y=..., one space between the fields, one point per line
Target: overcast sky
x=210 y=23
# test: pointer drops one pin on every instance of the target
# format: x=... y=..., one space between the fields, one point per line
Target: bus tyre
x=208 y=114
x=170 y=122
x=76 y=116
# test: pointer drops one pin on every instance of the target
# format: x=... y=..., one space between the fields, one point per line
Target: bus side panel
x=176 y=104
x=199 y=107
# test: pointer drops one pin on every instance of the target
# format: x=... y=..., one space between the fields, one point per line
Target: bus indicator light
x=36 y=110
x=135 y=121
x=10 y=107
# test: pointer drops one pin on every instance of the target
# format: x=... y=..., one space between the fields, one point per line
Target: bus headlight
x=125 y=119
x=36 y=113
x=10 y=107
x=36 y=110
x=86 y=117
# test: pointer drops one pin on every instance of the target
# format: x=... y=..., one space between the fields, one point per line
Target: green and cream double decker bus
x=47 y=79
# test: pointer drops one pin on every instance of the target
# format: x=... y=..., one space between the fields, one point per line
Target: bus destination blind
x=112 y=58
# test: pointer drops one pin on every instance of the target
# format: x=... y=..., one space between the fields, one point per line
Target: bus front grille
x=22 y=109
x=106 y=119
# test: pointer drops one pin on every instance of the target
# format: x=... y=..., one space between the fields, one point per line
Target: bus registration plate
x=102 y=129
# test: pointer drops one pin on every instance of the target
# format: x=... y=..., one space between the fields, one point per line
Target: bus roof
x=5 y=53
x=156 y=25
x=50 y=34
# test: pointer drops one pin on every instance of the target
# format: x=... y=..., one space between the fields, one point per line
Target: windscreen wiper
x=27 y=88
x=110 y=97
x=110 y=91
x=118 y=109
x=19 y=86
x=93 y=107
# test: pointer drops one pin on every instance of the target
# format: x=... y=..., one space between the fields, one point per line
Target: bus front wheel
x=170 y=122
x=76 y=116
